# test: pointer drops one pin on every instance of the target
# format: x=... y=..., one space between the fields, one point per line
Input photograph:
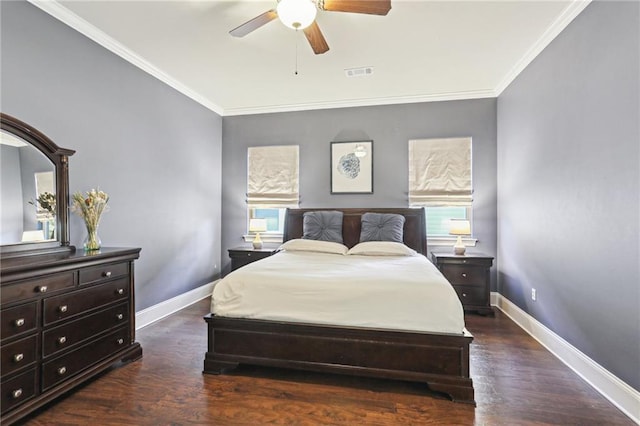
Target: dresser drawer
x=33 y=287
x=60 y=369
x=74 y=332
x=19 y=319
x=17 y=390
x=471 y=295
x=465 y=275
x=103 y=272
x=17 y=355
x=77 y=302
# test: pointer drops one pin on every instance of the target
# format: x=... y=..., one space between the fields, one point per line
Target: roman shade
x=272 y=176
x=440 y=172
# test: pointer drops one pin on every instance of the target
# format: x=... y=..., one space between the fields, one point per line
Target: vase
x=92 y=240
x=52 y=229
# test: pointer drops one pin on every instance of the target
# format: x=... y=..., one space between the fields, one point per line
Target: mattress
x=399 y=292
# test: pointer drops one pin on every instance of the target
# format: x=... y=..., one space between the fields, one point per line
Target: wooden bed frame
x=440 y=360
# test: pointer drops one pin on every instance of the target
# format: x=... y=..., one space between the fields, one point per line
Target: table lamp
x=257 y=226
x=459 y=227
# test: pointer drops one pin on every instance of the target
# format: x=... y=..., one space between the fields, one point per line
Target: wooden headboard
x=415 y=233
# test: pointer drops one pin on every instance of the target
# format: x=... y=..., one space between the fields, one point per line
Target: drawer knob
x=119 y=316
x=62 y=340
x=62 y=371
x=18 y=357
x=464 y=275
x=16 y=393
x=120 y=341
x=42 y=289
x=464 y=294
x=120 y=291
x=106 y=274
x=63 y=308
x=19 y=322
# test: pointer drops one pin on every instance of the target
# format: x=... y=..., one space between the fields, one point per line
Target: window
x=274 y=217
x=272 y=184
x=440 y=181
x=438 y=219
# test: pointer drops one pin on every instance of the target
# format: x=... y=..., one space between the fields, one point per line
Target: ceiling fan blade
x=254 y=24
x=316 y=39
x=371 y=7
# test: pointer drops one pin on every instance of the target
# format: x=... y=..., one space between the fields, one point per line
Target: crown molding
x=58 y=11
x=72 y=20
x=452 y=96
x=556 y=27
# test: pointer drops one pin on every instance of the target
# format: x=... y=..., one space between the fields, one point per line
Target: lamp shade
x=296 y=14
x=29 y=236
x=459 y=227
x=257 y=225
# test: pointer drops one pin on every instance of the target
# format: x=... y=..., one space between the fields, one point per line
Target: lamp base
x=459 y=247
x=257 y=242
x=459 y=250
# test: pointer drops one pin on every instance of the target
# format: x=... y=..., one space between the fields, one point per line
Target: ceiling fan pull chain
x=297 y=37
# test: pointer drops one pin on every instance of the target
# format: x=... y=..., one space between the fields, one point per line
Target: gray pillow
x=325 y=225
x=382 y=227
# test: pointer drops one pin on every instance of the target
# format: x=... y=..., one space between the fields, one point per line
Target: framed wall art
x=352 y=167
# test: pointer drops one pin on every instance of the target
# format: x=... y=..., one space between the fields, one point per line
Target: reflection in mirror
x=27 y=192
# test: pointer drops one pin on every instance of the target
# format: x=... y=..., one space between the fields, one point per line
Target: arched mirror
x=34 y=192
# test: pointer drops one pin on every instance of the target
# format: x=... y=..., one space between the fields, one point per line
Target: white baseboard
x=166 y=308
x=615 y=390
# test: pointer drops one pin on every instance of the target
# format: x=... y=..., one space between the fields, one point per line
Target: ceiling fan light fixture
x=297 y=14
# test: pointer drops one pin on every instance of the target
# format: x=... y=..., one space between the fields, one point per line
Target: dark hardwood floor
x=517 y=382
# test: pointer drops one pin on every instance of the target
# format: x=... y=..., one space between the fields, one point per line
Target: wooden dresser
x=65 y=317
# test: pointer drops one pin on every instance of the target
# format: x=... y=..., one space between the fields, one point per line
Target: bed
x=371 y=348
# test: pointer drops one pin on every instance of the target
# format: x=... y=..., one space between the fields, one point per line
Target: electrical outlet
x=534 y=294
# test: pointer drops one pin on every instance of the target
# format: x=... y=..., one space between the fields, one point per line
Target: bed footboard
x=437 y=359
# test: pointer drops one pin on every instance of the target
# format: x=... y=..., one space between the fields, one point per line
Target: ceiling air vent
x=358 y=72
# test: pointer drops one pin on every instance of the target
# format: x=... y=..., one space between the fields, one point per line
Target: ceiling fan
x=301 y=15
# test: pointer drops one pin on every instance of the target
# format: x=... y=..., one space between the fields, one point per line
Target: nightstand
x=470 y=277
x=241 y=256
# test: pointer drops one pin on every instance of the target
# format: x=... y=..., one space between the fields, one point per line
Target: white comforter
x=390 y=292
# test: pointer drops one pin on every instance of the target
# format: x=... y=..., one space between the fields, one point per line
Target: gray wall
x=390 y=127
x=569 y=187
x=154 y=151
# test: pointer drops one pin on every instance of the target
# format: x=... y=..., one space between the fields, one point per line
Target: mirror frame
x=60 y=159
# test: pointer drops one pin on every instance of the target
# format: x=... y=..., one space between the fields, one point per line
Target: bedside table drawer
x=469 y=275
x=471 y=295
x=242 y=256
x=248 y=256
x=464 y=275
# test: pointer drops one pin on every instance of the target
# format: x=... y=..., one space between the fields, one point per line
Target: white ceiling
x=421 y=51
